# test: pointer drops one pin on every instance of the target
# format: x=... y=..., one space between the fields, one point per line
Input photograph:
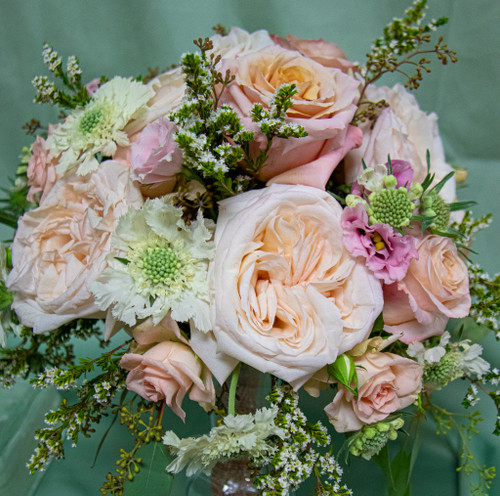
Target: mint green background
x=119 y=37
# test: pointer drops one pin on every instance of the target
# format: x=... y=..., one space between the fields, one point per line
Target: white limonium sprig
x=159 y=264
x=239 y=435
x=98 y=127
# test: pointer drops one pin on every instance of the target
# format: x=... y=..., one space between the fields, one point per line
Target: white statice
x=159 y=264
x=472 y=361
x=98 y=126
x=239 y=435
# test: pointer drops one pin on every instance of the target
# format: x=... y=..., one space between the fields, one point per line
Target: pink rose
x=326 y=53
x=324 y=106
x=41 y=172
x=92 y=86
x=435 y=289
x=288 y=296
x=166 y=370
x=386 y=383
x=155 y=156
x=404 y=132
x=169 y=89
x=60 y=247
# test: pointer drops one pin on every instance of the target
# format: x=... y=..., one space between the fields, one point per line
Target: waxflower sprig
x=397 y=50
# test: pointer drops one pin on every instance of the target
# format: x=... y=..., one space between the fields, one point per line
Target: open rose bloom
x=244 y=209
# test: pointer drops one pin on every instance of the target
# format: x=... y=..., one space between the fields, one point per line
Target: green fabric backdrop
x=117 y=37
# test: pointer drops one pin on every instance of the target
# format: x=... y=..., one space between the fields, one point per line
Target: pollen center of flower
x=161 y=265
x=90 y=120
x=378 y=241
x=391 y=206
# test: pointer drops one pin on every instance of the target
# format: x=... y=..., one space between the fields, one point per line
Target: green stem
x=232 y=390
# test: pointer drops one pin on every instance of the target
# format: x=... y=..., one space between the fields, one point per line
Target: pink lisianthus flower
x=155 y=156
x=388 y=253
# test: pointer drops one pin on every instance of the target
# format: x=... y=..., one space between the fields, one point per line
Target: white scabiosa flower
x=159 y=264
x=98 y=126
x=238 y=435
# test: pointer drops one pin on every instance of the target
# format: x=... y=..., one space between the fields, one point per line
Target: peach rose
x=167 y=369
x=239 y=42
x=435 y=289
x=169 y=89
x=404 y=132
x=386 y=383
x=41 y=171
x=288 y=296
x=324 y=106
x=326 y=53
x=60 y=247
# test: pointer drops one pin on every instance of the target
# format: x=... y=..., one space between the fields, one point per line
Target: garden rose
x=239 y=42
x=326 y=53
x=386 y=383
x=288 y=296
x=155 y=156
x=169 y=89
x=168 y=371
x=60 y=247
x=435 y=289
x=324 y=106
x=41 y=171
x=404 y=132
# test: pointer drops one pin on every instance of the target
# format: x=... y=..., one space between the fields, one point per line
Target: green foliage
x=143 y=421
x=35 y=352
x=95 y=397
x=445 y=422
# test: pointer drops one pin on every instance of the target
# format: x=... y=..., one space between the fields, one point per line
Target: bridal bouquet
x=265 y=207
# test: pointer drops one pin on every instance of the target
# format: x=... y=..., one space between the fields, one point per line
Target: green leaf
x=463 y=205
x=440 y=184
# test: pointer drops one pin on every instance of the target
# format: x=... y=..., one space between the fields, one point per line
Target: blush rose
x=435 y=289
x=60 y=247
x=386 y=383
x=165 y=368
x=324 y=106
x=288 y=296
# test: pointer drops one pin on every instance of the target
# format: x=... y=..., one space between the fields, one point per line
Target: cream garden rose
x=405 y=132
x=324 y=106
x=60 y=247
x=287 y=295
x=435 y=289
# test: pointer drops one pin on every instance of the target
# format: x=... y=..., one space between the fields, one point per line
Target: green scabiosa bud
x=391 y=206
x=434 y=206
x=449 y=368
x=373 y=437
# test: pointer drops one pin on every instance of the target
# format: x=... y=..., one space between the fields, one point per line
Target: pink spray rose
x=41 y=172
x=288 y=296
x=386 y=383
x=324 y=106
x=387 y=253
x=435 y=289
x=326 y=53
x=92 y=86
x=155 y=156
x=168 y=369
x=60 y=247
